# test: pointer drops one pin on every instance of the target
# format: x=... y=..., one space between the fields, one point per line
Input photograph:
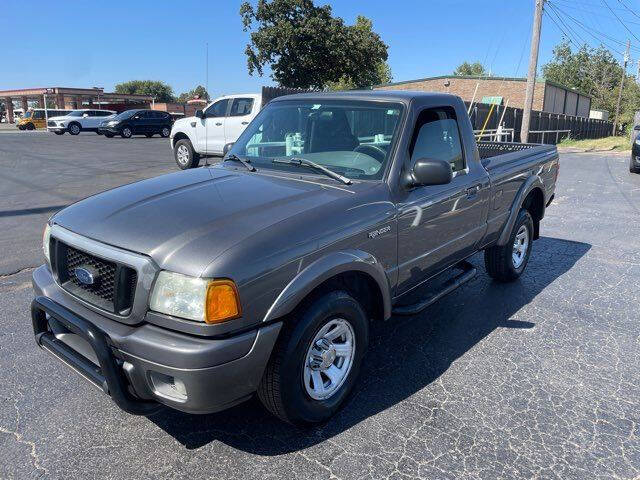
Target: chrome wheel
x=182 y=155
x=126 y=132
x=329 y=359
x=520 y=246
x=74 y=129
x=165 y=132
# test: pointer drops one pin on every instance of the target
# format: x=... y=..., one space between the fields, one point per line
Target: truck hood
x=184 y=220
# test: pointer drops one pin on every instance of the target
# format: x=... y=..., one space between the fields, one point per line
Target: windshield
x=74 y=113
x=353 y=138
x=125 y=114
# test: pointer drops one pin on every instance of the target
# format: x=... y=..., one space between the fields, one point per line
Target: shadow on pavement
x=405 y=355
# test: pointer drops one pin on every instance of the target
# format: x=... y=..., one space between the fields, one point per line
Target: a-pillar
x=25 y=105
x=9 y=104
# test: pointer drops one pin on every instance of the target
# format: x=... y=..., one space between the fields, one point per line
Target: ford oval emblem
x=84 y=275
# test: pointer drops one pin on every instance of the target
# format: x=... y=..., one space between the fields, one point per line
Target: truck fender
x=179 y=135
x=532 y=182
x=323 y=269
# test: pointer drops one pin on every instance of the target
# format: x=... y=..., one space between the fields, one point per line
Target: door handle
x=218 y=124
x=245 y=123
x=473 y=191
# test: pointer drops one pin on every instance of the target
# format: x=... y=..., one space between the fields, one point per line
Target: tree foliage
x=596 y=72
x=159 y=90
x=199 y=92
x=470 y=69
x=305 y=46
x=383 y=72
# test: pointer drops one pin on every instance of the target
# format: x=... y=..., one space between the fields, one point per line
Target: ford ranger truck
x=263 y=274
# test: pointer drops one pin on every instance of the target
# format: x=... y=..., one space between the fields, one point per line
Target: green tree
x=199 y=92
x=159 y=90
x=305 y=46
x=470 y=69
x=596 y=72
x=383 y=75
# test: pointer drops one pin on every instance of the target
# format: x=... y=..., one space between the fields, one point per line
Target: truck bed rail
x=491 y=149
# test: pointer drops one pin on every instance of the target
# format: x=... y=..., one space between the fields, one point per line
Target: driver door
x=210 y=136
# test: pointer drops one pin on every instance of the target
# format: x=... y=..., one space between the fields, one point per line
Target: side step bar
x=468 y=272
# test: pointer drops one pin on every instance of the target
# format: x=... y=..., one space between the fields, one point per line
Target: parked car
x=262 y=273
x=634 y=161
x=37 y=118
x=137 y=122
x=211 y=129
x=76 y=121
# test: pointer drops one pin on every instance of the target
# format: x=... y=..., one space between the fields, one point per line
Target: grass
x=607 y=143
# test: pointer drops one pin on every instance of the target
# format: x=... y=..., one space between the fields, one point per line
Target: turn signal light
x=222 y=301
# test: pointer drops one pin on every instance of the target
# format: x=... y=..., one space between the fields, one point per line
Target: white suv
x=78 y=121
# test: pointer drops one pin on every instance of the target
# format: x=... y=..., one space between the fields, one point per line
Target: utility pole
x=533 y=67
x=624 y=74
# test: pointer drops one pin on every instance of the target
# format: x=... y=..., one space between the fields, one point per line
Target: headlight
x=200 y=299
x=112 y=123
x=46 y=238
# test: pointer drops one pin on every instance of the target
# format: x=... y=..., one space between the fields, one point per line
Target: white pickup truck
x=211 y=129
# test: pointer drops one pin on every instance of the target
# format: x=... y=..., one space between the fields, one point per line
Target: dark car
x=634 y=161
x=137 y=122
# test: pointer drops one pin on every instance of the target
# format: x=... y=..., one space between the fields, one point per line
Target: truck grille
x=112 y=285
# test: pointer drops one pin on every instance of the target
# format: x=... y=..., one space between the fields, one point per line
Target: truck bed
x=497 y=156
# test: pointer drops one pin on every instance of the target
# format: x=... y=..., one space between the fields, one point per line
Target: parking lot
x=539 y=378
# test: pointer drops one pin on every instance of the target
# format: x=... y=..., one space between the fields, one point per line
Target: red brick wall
x=512 y=90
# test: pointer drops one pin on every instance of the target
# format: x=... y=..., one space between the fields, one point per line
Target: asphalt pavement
x=535 y=379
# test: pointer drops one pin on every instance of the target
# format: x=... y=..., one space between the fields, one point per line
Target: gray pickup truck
x=199 y=288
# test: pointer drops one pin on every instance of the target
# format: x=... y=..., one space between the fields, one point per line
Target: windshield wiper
x=308 y=163
x=244 y=162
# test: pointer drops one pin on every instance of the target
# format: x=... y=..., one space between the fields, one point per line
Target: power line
x=591 y=31
x=627 y=8
x=621 y=22
x=564 y=33
x=578 y=8
x=567 y=26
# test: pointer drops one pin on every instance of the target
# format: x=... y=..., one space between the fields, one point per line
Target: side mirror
x=226 y=148
x=85 y=115
x=199 y=114
x=430 y=171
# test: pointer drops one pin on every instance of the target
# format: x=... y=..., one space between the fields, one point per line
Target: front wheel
x=30 y=126
x=126 y=132
x=316 y=360
x=185 y=155
x=506 y=263
x=632 y=167
x=74 y=129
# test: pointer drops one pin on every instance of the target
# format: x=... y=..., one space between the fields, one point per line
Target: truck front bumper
x=144 y=366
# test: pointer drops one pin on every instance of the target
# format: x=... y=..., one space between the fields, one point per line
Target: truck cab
x=207 y=132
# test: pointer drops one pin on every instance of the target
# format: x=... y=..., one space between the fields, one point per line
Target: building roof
x=484 y=77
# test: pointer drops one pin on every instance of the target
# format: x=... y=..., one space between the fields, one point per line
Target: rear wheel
x=21 y=127
x=185 y=155
x=126 y=132
x=74 y=128
x=506 y=263
x=30 y=126
x=165 y=132
x=316 y=360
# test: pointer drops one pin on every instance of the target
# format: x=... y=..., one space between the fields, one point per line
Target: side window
x=218 y=109
x=241 y=106
x=38 y=114
x=437 y=136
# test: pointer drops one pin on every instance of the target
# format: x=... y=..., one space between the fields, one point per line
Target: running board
x=468 y=272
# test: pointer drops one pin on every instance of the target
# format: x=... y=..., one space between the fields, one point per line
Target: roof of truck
x=404 y=96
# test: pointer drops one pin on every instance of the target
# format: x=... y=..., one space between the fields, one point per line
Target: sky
x=87 y=44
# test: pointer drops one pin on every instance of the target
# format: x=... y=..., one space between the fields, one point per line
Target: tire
x=185 y=155
x=507 y=262
x=30 y=126
x=286 y=388
x=165 y=132
x=74 y=128
x=126 y=132
x=21 y=127
x=632 y=167
x=59 y=132
x=108 y=135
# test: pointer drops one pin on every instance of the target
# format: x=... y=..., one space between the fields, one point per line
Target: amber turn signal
x=222 y=301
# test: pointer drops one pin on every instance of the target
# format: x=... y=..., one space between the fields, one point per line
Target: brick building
x=548 y=96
